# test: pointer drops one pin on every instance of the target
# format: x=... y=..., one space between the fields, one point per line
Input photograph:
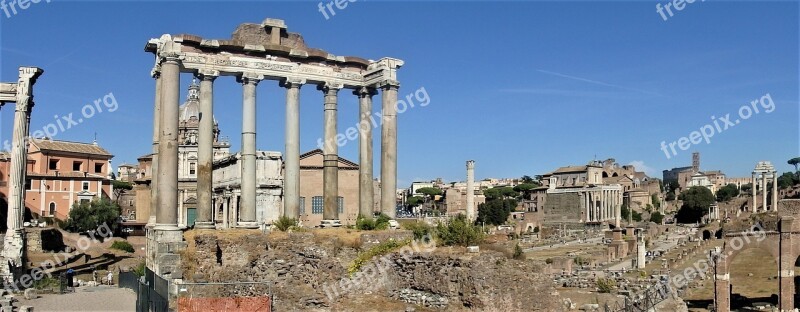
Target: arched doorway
x=706 y=234
x=753 y=278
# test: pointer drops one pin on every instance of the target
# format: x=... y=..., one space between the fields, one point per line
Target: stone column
x=366 y=187
x=225 y=215
x=205 y=150
x=247 y=215
x=389 y=149
x=14 y=243
x=764 y=187
x=786 y=260
x=775 y=191
x=471 y=190
x=754 y=209
x=330 y=173
x=151 y=221
x=618 y=209
x=291 y=180
x=167 y=215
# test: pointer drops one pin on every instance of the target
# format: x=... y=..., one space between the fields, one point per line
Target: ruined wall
x=44 y=240
x=309 y=271
x=564 y=207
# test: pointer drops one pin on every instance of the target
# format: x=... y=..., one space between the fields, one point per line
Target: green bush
x=459 y=232
x=605 y=285
x=284 y=223
x=376 y=251
x=140 y=269
x=122 y=245
x=518 y=253
x=45 y=283
x=376 y=224
x=420 y=229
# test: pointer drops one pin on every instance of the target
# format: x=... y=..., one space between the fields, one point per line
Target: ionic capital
x=330 y=88
x=365 y=92
x=290 y=83
x=389 y=85
x=207 y=75
x=250 y=78
x=170 y=58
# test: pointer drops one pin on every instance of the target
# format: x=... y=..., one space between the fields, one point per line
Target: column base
x=166 y=227
x=331 y=223
x=247 y=225
x=205 y=225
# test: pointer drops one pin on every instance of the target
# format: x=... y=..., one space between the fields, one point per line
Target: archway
x=605 y=174
x=753 y=273
x=706 y=234
x=3 y=214
x=718 y=234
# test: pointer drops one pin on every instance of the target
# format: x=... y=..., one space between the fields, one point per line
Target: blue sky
x=520 y=87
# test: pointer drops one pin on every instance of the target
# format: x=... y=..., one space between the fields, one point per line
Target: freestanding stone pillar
x=471 y=190
x=330 y=173
x=366 y=188
x=389 y=149
x=618 y=210
x=167 y=215
x=151 y=221
x=205 y=150
x=775 y=191
x=291 y=181
x=786 y=290
x=247 y=216
x=764 y=188
x=14 y=241
x=754 y=209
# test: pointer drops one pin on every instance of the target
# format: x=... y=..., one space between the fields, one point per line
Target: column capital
x=389 y=84
x=207 y=75
x=365 y=91
x=170 y=57
x=292 y=83
x=330 y=87
x=250 y=78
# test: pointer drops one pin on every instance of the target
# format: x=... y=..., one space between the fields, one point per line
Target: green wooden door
x=191 y=216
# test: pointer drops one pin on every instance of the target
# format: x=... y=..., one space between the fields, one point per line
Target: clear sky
x=520 y=87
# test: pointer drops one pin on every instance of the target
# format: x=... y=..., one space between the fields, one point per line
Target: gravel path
x=101 y=298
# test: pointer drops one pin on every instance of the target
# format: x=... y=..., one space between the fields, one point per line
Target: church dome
x=190 y=110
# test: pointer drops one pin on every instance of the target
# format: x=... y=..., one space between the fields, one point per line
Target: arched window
x=52 y=209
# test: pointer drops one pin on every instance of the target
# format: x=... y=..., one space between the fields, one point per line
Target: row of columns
x=764 y=186
x=602 y=205
x=165 y=148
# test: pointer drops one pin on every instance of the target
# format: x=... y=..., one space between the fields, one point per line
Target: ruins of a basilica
x=20 y=93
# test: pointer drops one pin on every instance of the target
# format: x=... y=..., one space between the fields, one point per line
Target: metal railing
x=642 y=302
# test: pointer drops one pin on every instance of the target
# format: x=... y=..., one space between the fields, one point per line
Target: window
x=316 y=205
x=98 y=168
x=54 y=164
x=76 y=165
x=302 y=206
x=52 y=209
x=192 y=168
x=340 y=201
x=84 y=201
x=85 y=186
x=28 y=184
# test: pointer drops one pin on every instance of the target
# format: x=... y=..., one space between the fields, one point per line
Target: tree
x=526 y=187
x=90 y=216
x=727 y=192
x=670 y=196
x=794 y=162
x=527 y=179
x=655 y=200
x=787 y=180
x=414 y=201
x=656 y=217
x=430 y=193
x=628 y=214
x=500 y=193
x=673 y=185
x=119 y=188
x=496 y=212
x=696 y=201
x=746 y=188
x=459 y=232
